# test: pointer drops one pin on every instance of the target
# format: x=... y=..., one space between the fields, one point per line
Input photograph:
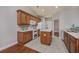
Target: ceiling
x=44 y=11
x=50 y=11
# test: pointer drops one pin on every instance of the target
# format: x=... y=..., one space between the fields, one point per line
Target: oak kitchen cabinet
x=24 y=37
x=37 y=19
x=23 y=18
x=65 y=39
x=46 y=37
x=71 y=43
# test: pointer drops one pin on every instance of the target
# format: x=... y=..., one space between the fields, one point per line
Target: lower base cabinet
x=71 y=43
x=24 y=37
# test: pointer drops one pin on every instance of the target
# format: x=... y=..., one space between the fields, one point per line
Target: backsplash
x=26 y=27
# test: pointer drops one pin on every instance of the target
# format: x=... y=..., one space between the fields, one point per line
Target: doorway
x=56 y=27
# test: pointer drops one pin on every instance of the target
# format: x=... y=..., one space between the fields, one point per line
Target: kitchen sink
x=75 y=30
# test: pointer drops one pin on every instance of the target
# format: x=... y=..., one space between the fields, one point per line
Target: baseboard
x=2 y=48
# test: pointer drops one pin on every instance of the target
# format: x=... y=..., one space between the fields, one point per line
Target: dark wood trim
x=56 y=34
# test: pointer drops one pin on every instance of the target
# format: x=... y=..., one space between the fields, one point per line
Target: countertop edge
x=72 y=34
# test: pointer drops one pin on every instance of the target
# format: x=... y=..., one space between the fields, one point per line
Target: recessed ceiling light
x=37 y=6
x=56 y=6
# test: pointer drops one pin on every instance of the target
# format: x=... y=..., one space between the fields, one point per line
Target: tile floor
x=57 y=46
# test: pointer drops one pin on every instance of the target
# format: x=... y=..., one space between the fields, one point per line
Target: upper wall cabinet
x=37 y=19
x=24 y=18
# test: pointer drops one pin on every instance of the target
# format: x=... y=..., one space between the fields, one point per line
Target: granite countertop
x=46 y=30
x=24 y=30
x=76 y=35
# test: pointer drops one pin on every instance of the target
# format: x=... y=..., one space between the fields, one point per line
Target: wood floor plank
x=19 y=49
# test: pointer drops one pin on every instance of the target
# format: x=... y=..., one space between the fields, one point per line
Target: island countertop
x=46 y=30
x=24 y=30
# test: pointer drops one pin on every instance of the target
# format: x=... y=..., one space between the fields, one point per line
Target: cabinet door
x=77 y=46
x=45 y=38
x=20 y=37
x=18 y=17
x=48 y=38
x=30 y=35
x=66 y=39
x=27 y=36
x=23 y=18
x=28 y=19
x=73 y=45
x=42 y=37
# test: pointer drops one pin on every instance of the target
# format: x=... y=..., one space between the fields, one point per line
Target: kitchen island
x=46 y=37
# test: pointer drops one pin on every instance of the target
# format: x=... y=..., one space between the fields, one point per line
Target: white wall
x=49 y=23
x=46 y=23
x=68 y=16
x=8 y=25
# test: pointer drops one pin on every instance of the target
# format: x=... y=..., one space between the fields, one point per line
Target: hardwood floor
x=18 y=49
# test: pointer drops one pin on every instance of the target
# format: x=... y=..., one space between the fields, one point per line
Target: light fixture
x=40 y=9
x=56 y=7
x=37 y=6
